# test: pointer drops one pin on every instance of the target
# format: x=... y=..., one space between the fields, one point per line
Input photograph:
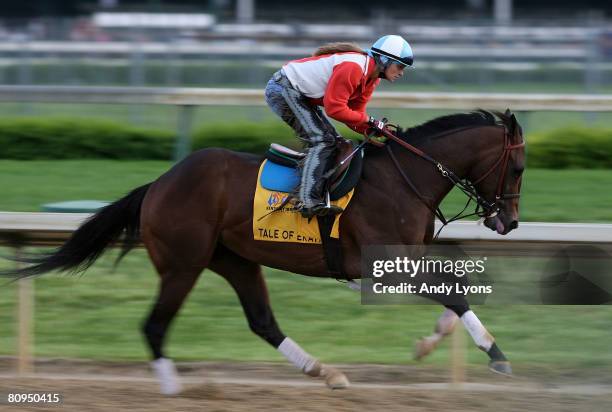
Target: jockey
x=340 y=77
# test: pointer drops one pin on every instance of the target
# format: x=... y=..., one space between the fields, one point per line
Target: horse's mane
x=441 y=124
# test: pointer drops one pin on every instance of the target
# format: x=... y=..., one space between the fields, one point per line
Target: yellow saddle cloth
x=287 y=224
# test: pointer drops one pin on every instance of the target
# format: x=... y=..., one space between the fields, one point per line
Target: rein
x=484 y=209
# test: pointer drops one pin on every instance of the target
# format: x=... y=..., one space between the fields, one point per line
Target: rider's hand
x=376 y=126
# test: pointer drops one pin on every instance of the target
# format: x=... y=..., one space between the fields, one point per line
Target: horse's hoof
x=501 y=367
x=169 y=382
x=316 y=370
x=423 y=347
x=334 y=379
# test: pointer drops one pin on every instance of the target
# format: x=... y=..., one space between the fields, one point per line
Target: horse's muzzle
x=497 y=224
x=513 y=225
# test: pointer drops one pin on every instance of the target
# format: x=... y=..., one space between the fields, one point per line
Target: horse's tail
x=90 y=240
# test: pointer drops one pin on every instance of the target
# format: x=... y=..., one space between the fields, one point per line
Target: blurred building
x=337 y=10
x=470 y=44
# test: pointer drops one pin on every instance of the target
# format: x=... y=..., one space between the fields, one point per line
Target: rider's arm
x=345 y=79
x=359 y=105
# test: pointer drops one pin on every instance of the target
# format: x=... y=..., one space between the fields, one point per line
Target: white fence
x=54 y=228
x=255 y=97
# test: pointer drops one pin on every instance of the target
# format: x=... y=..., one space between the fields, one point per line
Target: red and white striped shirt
x=339 y=82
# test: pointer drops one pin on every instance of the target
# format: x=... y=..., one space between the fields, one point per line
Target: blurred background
x=485 y=45
x=62 y=144
x=476 y=46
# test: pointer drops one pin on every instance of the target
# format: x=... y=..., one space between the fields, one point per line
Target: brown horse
x=199 y=215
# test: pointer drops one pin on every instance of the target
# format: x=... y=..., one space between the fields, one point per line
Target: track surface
x=102 y=386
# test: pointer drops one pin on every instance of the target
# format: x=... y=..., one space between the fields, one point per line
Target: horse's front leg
x=444 y=326
x=483 y=339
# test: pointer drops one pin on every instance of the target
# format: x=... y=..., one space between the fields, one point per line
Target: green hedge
x=571 y=148
x=57 y=138
x=245 y=137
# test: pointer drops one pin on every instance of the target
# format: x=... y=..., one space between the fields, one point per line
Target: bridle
x=484 y=209
x=503 y=159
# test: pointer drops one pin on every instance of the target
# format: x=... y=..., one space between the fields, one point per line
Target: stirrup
x=321 y=209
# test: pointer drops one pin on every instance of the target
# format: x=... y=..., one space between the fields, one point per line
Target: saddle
x=281 y=171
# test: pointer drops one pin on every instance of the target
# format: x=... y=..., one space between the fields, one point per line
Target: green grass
x=29 y=184
x=98 y=315
x=547 y=195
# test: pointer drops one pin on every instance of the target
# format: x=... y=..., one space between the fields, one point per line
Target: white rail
x=52 y=228
x=255 y=97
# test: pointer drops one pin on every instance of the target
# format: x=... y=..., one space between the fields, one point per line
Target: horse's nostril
x=513 y=224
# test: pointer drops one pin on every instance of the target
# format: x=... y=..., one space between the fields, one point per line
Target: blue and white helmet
x=394 y=48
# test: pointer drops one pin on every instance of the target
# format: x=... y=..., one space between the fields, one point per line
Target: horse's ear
x=514 y=126
x=508 y=112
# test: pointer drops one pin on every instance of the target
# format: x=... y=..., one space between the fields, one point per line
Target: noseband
x=484 y=208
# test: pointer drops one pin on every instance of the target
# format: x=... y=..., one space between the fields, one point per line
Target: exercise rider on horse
x=340 y=77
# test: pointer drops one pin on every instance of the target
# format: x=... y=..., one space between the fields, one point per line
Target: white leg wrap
x=296 y=355
x=165 y=370
x=481 y=337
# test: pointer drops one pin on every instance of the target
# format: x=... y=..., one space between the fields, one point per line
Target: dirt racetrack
x=221 y=386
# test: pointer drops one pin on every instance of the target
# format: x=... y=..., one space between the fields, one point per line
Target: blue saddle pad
x=279 y=178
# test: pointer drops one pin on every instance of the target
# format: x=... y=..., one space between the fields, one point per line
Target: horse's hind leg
x=179 y=266
x=250 y=286
x=173 y=290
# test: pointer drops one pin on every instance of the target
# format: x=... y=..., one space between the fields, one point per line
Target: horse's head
x=500 y=180
x=488 y=169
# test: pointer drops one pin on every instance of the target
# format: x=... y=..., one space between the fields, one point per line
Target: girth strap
x=332 y=248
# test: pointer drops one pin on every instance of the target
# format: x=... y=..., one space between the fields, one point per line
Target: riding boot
x=313 y=193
